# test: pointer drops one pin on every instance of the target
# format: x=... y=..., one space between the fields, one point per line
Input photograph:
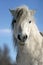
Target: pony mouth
x=21 y=44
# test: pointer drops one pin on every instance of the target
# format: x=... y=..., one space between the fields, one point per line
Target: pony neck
x=36 y=34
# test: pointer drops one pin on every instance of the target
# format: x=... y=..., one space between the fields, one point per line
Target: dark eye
x=13 y=21
x=29 y=21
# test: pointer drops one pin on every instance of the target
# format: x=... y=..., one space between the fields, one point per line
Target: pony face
x=22 y=23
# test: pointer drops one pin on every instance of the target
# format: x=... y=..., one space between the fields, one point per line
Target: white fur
x=31 y=53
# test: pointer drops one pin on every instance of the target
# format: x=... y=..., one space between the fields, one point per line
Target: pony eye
x=14 y=21
x=29 y=21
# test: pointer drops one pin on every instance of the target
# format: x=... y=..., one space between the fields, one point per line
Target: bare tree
x=4 y=56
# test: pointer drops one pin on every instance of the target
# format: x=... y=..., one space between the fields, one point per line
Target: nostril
x=19 y=37
x=25 y=37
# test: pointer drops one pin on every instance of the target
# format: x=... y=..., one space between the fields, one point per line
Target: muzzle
x=22 y=38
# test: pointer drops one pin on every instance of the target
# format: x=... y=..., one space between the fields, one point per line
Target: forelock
x=21 y=11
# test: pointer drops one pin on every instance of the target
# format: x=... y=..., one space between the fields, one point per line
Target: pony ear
x=12 y=11
x=32 y=12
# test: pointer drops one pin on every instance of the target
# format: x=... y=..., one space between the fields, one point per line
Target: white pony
x=27 y=37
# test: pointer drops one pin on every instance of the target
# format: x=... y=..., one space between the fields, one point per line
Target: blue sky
x=5 y=19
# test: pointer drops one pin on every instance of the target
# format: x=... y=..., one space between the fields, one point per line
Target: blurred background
x=8 y=51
